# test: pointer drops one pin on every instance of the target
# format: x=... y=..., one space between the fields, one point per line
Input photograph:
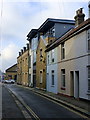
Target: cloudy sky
x=18 y=17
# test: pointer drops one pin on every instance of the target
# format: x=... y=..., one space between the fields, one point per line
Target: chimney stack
x=89 y=9
x=24 y=48
x=27 y=46
x=79 y=18
x=21 y=51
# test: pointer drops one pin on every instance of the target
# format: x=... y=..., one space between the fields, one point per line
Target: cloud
x=9 y=55
x=20 y=16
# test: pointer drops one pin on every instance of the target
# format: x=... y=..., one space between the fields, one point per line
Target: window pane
x=62 y=51
x=52 y=77
x=63 y=77
x=88 y=44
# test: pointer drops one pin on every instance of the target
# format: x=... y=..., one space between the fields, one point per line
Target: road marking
x=24 y=112
x=37 y=118
x=21 y=102
x=62 y=106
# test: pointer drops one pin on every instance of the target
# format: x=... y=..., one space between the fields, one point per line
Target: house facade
x=41 y=63
x=73 y=60
x=19 y=68
x=33 y=42
x=11 y=72
x=49 y=31
x=22 y=64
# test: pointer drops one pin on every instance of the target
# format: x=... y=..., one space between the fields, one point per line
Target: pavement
x=79 y=105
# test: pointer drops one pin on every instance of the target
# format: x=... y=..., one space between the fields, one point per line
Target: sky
x=18 y=17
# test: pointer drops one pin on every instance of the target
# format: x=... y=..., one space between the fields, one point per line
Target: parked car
x=11 y=81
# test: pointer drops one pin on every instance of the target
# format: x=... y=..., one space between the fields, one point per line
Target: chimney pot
x=79 y=18
x=21 y=51
x=27 y=46
x=24 y=48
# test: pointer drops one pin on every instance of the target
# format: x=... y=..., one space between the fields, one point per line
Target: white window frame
x=41 y=77
x=63 y=83
x=62 y=50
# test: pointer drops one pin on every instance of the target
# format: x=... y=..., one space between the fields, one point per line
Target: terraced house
x=71 y=66
x=49 y=31
x=32 y=37
x=22 y=64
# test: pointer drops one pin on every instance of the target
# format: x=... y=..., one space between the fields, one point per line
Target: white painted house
x=52 y=68
x=33 y=42
x=72 y=64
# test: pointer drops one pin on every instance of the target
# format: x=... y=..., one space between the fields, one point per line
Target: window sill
x=52 y=85
x=88 y=92
x=62 y=88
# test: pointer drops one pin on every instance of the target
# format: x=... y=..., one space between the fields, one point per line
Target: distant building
x=22 y=66
x=72 y=61
x=11 y=72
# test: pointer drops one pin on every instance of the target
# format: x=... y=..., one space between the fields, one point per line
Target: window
x=30 y=61
x=88 y=38
x=52 y=32
x=89 y=78
x=41 y=77
x=26 y=61
x=41 y=55
x=52 y=55
x=63 y=77
x=52 y=77
x=34 y=43
x=40 y=52
x=34 y=56
x=48 y=59
x=63 y=51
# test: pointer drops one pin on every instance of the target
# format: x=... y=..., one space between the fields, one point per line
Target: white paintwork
x=52 y=66
x=34 y=43
x=76 y=59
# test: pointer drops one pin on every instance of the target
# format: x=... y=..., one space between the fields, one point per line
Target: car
x=11 y=81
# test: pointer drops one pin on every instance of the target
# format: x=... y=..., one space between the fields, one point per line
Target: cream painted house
x=22 y=66
x=73 y=60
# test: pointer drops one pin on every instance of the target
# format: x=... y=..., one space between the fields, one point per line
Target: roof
x=10 y=68
x=32 y=33
x=46 y=25
x=84 y=25
x=50 y=22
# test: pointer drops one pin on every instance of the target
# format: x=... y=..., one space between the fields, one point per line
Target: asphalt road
x=42 y=107
x=10 y=110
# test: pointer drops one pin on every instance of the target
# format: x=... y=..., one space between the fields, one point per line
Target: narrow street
x=37 y=105
x=9 y=107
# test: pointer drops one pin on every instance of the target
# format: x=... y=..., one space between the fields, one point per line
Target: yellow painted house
x=41 y=64
x=19 y=69
x=22 y=65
